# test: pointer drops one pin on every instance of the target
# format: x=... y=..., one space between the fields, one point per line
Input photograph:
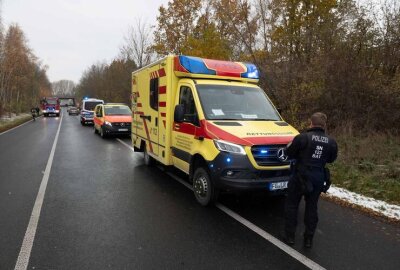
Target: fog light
x=230 y=173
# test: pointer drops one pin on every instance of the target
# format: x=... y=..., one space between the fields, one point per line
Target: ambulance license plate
x=278 y=185
x=123 y=129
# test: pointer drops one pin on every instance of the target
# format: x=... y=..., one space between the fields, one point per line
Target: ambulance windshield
x=224 y=102
x=117 y=110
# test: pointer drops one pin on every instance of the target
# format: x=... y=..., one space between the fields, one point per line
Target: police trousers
x=296 y=190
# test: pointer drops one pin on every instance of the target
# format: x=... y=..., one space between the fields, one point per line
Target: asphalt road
x=104 y=209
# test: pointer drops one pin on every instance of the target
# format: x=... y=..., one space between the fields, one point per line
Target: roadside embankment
x=10 y=121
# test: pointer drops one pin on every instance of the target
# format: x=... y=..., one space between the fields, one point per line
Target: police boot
x=289 y=239
x=308 y=240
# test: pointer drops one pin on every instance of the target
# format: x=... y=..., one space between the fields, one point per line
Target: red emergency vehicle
x=50 y=105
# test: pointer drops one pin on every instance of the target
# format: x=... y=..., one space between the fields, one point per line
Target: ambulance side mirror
x=179 y=113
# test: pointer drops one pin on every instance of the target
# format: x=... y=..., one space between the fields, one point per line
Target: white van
x=87 y=109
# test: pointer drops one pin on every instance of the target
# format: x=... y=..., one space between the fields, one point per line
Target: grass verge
x=9 y=124
x=369 y=165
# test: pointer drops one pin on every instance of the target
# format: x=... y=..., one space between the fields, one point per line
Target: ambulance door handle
x=156 y=122
x=148 y=117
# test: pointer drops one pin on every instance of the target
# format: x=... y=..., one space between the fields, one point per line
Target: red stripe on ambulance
x=147 y=134
x=162 y=90
x=161 y=72
x=223 y=135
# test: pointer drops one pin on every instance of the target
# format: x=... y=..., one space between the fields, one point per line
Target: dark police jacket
x=312 y=149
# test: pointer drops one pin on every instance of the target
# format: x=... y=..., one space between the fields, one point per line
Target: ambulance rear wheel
x=204 y=189
x=148 y=160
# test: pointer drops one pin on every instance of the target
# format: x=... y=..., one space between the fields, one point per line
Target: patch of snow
x=6 y=116
x=389 y=210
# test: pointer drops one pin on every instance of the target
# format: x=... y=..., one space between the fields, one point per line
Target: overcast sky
x=71 y=35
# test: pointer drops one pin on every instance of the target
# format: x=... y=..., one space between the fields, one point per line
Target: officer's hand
x=326 y=186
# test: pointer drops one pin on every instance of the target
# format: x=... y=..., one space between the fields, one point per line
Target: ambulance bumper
x=236 y=173
x=117 y=130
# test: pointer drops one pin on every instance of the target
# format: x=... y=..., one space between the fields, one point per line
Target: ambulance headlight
x=229 y=147
x=108 y=123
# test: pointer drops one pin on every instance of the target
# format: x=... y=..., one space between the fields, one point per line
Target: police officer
x=309 y=151
x=33 y=112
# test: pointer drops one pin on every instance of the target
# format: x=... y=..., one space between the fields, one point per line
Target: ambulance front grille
x=267 y=155
x=121 y=124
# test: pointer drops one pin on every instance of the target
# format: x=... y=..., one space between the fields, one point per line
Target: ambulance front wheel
x=102 y=132
x=148 y=160
x=204 y=190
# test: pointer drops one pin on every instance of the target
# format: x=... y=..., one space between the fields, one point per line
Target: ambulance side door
x=183 y=134
x=96 y=118
x=150 y=117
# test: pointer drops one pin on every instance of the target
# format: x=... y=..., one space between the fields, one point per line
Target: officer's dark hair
x=318 y=119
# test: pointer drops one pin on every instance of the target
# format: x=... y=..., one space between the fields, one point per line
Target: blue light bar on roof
x=252 y=72
x=196 y=65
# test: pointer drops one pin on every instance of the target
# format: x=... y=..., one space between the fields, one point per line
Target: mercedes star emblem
x=281 y=154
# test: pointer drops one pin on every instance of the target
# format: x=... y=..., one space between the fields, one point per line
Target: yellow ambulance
x=209 y=119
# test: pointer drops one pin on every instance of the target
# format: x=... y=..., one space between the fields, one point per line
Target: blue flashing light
x=263 y=151
x=251 y=73
x=85 y=98
x=211 y=165
x=228 y=159
x=195 y=65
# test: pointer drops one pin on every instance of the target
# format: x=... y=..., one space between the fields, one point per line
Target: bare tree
x=63 y=88
x=137 y=43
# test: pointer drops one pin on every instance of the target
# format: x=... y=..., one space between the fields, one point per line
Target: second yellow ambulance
x=209 y=119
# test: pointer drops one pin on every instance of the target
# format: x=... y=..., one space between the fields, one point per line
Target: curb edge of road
x=364 y=210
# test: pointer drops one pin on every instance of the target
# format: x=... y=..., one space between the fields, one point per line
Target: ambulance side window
x=187 y=100
x=154 y=94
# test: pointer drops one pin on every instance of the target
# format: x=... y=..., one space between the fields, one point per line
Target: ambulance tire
x=204 y=189
x=102 y=133
x=148 y=160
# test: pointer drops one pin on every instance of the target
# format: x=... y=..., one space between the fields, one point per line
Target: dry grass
x=8 y=124
x=369 y=165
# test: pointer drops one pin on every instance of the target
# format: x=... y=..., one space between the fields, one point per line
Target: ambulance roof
x=189 y=66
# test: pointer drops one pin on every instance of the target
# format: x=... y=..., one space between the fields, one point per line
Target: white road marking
x=273 y=240
x=290 y=251
x=26 y=248
x=127 y=145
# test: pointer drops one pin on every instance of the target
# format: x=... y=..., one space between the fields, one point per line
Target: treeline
x=110 y=82
x=23 y=78
x=337 y=56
